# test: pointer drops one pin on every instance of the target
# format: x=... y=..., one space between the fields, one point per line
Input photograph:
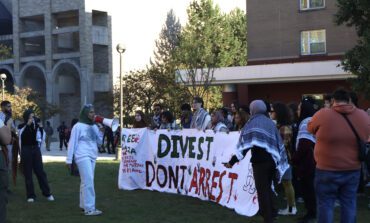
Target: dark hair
x=341 y=95
x=245 y=108
x=328 y=97
x=307 y=110
x=157 y=105
x=47 y=123
x=243 y=119
x=142 y=123
x=283 y=115
x=236 y=104
x=268 y=108
x=4 y=103
x=224 y=111
x=185 y=107
x=293 y=109
x=168 y=115
x=199 y=100
x=354 y=98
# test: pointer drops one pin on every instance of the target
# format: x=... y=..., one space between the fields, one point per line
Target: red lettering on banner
x=232 y=176
x=216 y=174
x=194 y=181
x=220 y=186
x=201 y=181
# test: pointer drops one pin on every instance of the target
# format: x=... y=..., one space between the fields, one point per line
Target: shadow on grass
x=137 y=206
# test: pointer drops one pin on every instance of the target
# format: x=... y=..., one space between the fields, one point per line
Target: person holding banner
x=269 y=158
x=201 y=118
x=83 y=148
x=217 y=124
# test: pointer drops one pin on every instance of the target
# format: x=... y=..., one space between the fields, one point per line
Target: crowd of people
x=311 y=151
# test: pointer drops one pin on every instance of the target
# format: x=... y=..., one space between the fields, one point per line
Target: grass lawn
x=125 y=206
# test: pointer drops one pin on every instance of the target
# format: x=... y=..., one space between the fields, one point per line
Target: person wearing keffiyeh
x=269 y=159
x=201 y=118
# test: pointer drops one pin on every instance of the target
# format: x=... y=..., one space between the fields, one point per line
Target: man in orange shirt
x=336 y=154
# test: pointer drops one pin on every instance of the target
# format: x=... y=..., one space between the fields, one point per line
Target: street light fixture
x=3 y=78
x=121 y=48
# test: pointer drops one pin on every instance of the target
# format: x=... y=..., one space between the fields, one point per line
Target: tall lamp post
x=120 y=49
x=3 y=78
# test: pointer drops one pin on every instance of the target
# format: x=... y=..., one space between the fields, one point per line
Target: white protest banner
x=188 y=162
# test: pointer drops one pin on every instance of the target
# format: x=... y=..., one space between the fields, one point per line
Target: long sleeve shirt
x=84 y=142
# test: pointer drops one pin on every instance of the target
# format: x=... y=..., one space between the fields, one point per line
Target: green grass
x=125 y=206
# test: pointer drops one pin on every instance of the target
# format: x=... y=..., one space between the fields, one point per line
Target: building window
x=313 y=42
x=312 y=4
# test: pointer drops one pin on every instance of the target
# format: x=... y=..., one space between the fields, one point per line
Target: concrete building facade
x=63 y=51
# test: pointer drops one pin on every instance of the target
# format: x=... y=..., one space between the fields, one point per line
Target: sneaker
x=50 y=198
x=30 y=200
x=93 y=212
x=293 y=211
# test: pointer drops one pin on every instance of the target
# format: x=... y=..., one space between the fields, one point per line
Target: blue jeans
x=332 y=185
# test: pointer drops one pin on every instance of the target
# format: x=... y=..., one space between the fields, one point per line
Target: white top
x=84 y=142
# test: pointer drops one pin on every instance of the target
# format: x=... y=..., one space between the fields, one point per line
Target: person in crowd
x=108 y=136
x=49 y=133
x=7 y=118
x=240 y=118
x=226 y=121
x=282 y=115
x=336 y=153
x=234 y=108
x=62 y=136
x=31 y=136
x=245 y=109
x=186 y=116
x=83 y=148
x=156 y=119
x=168 y=121
x=201 y=118
x=328 y=101
x=293 y=107
x=139 y=121
x=304 y=162
x=217 y=123
x=269 y=159
x=5 y=139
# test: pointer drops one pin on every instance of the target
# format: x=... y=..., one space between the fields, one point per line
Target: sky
x=137 y=25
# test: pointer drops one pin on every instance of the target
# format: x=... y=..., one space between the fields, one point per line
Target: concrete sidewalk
x=55 y=155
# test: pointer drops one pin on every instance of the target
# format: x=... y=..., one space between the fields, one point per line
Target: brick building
x=294 y=49
x=61 y=49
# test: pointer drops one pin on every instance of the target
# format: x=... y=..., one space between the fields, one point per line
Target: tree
x=209 y=40
x=5 y=52
x=356 y=13
x=163 y=66
x=26 y=98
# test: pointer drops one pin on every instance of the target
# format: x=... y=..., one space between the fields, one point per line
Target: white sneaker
x=93 y=212
x=50 y=198
x=30 y=200
x=287 y=212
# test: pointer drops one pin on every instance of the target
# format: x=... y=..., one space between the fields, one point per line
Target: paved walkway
x=55 y=155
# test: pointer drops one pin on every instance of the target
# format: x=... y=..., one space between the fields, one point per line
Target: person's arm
x=314 y=124
x=5 y=134
x=72 y=145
